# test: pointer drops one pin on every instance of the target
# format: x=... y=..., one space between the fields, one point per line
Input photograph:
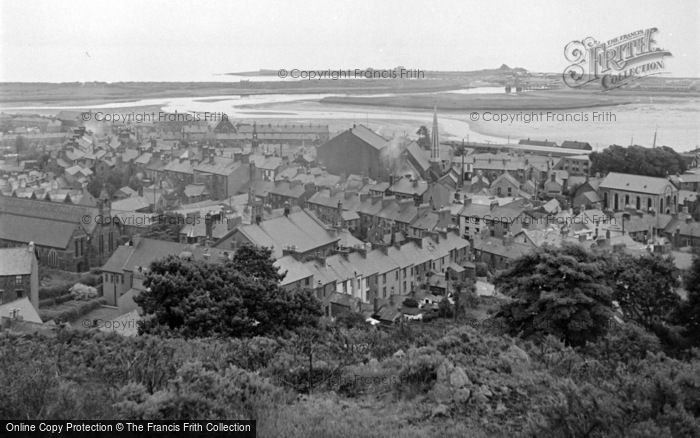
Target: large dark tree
x=557 y=291
x=199 y=299
x=690 y=311
x=659 y=162
x=424 y=138
x=645 y=288
x=257 y=262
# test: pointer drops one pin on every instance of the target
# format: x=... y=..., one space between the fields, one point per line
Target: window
x=19 y=293
x=397 y=274
x=18 y=279
x=53 y=258
x=384 y=292
x=384 y=278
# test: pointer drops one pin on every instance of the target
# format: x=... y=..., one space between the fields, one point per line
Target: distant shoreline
x=75 y=94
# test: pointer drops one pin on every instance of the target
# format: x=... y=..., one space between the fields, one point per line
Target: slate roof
x=42 y=222
x=496 y=246
x=419 y=155
x=132 y=203
x=145 y=251
x=15 y=261
x=634 y=183
x=299 y=229
x=220 y=166
x=25 y=307
x=405 y=186
x=368 y=136
x=295 y=269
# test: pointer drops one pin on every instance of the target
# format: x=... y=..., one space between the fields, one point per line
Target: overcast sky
x=128 y=40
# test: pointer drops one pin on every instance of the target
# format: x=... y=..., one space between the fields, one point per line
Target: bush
x=90 y=279
x=83 y=292
x=71 y=310
x=53 y=291
x=419 y=372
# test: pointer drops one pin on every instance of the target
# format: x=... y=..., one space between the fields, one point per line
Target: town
x=363 y=221
x=396 y=219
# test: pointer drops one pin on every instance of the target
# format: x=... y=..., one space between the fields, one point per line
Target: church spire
x=435 y=150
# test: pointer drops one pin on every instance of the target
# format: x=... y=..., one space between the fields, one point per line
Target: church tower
x=435 y=136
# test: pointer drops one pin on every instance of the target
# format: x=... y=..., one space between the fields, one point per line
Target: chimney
x=508 y=240
x=444 y=216
x=208 y=226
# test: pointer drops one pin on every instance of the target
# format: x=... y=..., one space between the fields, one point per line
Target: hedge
x=49 y=302
x=74 y=310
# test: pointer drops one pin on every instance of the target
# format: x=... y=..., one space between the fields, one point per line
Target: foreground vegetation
x=511 y=375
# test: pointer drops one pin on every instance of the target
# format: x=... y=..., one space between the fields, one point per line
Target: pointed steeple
x=435 y=150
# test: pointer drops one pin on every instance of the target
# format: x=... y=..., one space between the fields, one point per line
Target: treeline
x=659 y=162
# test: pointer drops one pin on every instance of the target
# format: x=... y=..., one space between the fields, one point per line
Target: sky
x=154 y=40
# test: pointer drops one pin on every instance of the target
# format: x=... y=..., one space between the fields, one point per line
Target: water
x=675 y=120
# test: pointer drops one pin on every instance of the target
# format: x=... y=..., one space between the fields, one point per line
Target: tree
x=639 y=160
x=423 y=137
x=199 y=299
x=20 y=145
x=257 y=262
x=690 y=310
x=557 y=291
x=645 y=288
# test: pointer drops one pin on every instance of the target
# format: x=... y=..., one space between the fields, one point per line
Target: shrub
x=53 y=291
x=90 y=279
x=419 y=371
x=71 y=310
x=81 y=291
